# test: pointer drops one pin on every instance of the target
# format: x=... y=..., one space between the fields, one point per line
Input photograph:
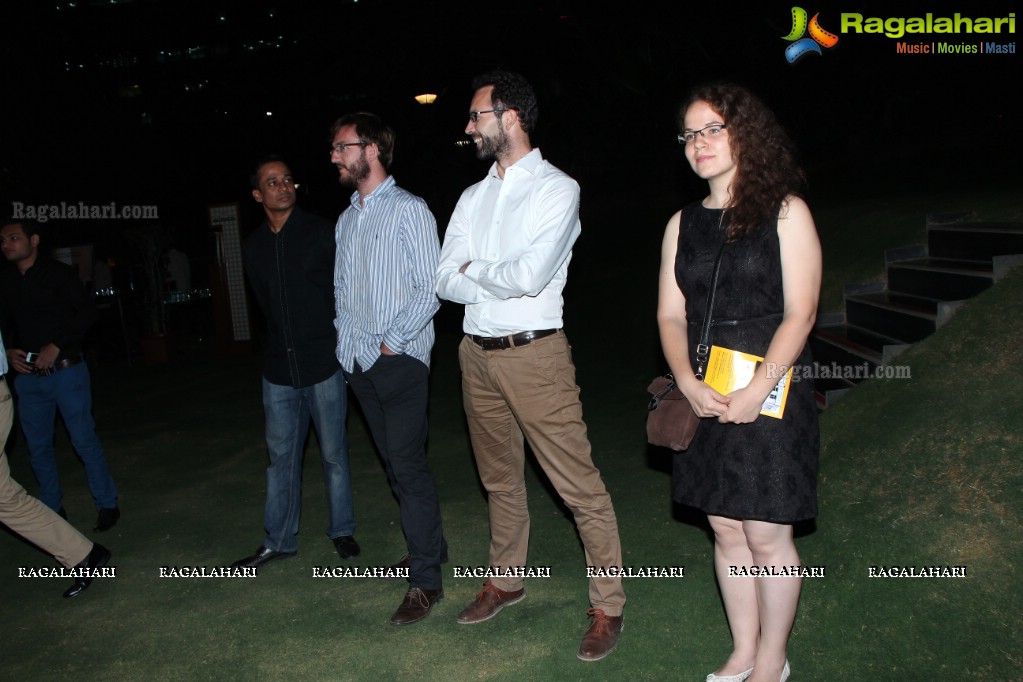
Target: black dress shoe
x=346 y=546
x=107 y=518
x=262 y=556
x=97 y=558
x=416 y=606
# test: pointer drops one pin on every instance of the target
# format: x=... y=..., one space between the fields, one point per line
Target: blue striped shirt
x=387 y=253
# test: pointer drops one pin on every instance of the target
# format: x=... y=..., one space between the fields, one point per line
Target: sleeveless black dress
x=766 y=470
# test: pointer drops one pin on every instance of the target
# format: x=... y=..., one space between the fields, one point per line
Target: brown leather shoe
x=416 y=606
x=602 y=637
x=488 y=603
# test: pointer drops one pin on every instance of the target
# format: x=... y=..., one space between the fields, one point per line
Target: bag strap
x=703 y=347
x=656 y=398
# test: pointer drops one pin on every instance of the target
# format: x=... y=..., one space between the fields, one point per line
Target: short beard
x=357 y=173
x=493 y=147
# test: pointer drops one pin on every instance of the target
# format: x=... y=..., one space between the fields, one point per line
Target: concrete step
x=903 y=317
x=851 y=345
x=827 y=392
x=974 y=241
x=940 y=278
x=926 y=285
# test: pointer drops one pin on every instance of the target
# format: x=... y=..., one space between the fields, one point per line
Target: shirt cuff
x=474 y=270
x=394 y=343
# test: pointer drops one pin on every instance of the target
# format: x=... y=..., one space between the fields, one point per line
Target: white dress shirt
x=518 y=234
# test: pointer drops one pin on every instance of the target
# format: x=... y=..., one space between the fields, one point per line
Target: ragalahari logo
x=801 y=46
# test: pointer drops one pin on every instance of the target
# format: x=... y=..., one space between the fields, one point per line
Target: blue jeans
x=70 y=391
x=288 y=411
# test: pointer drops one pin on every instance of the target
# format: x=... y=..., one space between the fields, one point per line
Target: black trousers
x=394 y=396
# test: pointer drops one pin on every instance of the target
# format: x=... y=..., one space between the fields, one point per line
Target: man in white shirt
x=505 y=256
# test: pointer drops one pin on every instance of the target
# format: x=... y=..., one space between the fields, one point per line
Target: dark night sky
x=122 y=126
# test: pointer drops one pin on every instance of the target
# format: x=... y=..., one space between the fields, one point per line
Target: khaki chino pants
x=531 y=392
x=27 y=516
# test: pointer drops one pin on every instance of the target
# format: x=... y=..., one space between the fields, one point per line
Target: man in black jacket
x=51 y=313
x=289 y=263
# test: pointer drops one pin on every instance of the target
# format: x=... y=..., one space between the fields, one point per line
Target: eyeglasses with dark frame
x=689 y=136
x=474 y=116
x=340 y=147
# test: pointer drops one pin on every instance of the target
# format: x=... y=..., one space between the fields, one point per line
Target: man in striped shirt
x=387 y=251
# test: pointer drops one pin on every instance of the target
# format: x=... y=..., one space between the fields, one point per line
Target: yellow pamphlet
x=729 y=370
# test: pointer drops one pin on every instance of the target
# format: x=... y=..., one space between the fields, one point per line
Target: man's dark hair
x=368 y=128
x=269 y=158
x=29 y=227
x=512 y=91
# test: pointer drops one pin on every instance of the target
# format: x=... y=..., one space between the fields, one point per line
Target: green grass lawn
x=924 y=471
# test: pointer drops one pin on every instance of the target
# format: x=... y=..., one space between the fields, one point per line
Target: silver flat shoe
x=735 y=678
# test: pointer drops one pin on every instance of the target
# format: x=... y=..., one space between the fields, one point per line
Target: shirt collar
x=379 y=190
x=292 y=217
x=527 y=163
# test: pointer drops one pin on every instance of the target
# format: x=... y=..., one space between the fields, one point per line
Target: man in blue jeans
x=36 y=522
x=289 y=262
x=49 y=312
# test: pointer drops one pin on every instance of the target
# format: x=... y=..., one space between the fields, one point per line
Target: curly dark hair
x=369 y=128
x=512 y=91
x=766 y=167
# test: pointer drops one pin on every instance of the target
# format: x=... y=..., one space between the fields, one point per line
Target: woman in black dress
x=753 y=475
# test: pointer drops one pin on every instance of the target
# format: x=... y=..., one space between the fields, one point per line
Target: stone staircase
x=926 y=284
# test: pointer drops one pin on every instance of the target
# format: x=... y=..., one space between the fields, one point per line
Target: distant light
x=269 y=113
x=427 y=98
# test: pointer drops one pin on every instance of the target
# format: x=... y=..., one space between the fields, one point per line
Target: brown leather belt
x=57 y=366
x=512 y=340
